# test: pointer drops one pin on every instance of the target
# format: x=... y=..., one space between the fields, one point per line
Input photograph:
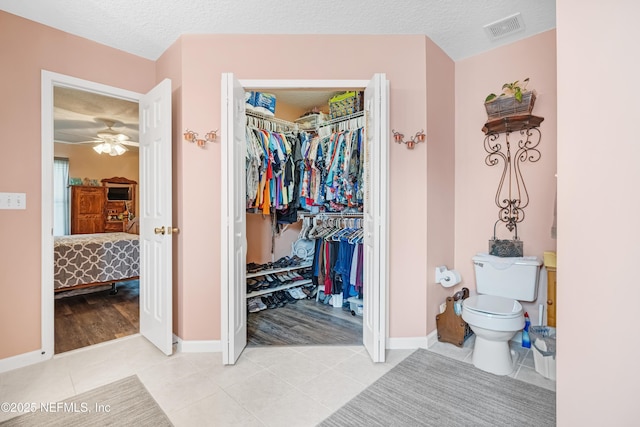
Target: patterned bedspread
x=95 y=258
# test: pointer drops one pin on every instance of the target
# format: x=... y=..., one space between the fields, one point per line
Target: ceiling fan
x=106 y=141
x=113 y=143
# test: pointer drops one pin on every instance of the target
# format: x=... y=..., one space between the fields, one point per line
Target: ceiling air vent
x=504 y=27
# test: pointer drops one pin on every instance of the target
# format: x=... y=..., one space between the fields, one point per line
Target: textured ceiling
x=148 y=27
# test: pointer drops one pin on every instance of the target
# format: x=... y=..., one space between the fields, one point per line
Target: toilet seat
x=493 y=306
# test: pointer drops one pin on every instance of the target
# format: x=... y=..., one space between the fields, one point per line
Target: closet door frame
x=380 y=315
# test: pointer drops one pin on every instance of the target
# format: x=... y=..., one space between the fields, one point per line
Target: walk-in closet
x=305 y=191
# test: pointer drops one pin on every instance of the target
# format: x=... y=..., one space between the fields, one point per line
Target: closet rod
x=331 y=214
x=261 y=116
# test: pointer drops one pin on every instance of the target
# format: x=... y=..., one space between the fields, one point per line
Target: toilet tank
x=510 y=277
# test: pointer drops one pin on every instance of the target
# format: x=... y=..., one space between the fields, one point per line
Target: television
x=118 y=193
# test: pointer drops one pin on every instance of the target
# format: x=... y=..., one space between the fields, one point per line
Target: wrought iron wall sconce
x=191 y=136
x=418 y=137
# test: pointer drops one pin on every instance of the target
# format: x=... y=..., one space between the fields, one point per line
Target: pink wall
x=440 y=202
x=476 y=183
x=29 y=48
x=170 y=65
x=240 y=54
x=598 y=228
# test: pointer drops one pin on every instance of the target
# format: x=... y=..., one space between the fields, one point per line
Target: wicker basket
x=506 y=106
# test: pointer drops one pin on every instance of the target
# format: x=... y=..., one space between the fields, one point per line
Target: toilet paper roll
x=450 y=278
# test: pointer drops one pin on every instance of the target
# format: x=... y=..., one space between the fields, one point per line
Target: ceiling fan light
x=102 y=148
x=113 y=149
x=117 y=150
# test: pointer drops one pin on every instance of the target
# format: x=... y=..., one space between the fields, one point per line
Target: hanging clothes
x=271 y=162
x=332 y=172
x=337 y=263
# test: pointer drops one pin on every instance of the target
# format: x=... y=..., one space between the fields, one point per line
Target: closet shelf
x=277 y=270
x=279 y=288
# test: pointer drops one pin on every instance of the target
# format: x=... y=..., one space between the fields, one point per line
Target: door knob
x=173 y=230
x=159 y=230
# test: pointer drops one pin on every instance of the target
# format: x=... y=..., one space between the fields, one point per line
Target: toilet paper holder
x=446 y=277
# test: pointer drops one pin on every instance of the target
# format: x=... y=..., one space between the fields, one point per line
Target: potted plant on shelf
x=514 y=100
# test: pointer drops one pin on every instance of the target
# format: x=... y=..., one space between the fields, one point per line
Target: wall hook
x=418 y=137
x=191 y=136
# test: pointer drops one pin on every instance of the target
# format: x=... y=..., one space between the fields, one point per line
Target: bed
x=84 y=260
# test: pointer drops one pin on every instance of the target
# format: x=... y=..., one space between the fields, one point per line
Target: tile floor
x=269 y=386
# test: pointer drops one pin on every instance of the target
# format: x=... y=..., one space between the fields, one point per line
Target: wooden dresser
x=87 y=209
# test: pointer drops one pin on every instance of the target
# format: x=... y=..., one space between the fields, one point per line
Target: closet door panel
x=375 y=218
x=234 y=240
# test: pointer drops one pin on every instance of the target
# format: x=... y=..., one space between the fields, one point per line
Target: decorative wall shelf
x=512 y=124
x=512 y=196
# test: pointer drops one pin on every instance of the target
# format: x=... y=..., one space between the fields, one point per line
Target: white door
x=156 y=246
x=233 y=234
x=375 y=218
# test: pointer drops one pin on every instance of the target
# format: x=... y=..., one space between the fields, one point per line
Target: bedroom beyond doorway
x=95 y=317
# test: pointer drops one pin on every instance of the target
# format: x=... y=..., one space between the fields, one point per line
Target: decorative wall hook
x=418 y=137
x=191 y=136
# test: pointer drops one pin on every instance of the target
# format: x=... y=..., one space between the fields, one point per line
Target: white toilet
x=495 y=315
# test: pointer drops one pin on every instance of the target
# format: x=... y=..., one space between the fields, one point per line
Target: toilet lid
x=493 y=305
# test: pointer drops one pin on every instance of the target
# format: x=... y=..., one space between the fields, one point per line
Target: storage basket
x=506 y=247
x=506 y=106
x=345 y=104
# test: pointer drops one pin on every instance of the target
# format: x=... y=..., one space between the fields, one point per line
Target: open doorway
x=154 y=212
x=289 y=302
x=234 y=226
x=96 y=249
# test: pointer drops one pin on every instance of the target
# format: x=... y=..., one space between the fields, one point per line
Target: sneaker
x=298 y=293
x=261 y=305
x=253 y=306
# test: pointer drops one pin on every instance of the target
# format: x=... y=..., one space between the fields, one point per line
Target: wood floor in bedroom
x=83 y=320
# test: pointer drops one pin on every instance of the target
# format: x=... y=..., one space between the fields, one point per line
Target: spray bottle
x=526 y=341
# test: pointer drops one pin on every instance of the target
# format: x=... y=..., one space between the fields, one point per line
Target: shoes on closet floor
x=296 y=293
x=253 y=306
x=269 y=301
x=290 y=298
x=310 y=291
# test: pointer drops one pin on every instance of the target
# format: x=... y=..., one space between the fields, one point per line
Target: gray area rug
x=427 y=389
x=123 y=403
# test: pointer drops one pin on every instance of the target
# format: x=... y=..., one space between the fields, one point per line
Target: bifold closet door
x=375 y=217
x=233 y=234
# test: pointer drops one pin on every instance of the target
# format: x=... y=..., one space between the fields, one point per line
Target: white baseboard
x=407 y=343
x=432 y=338
x=197 y=346
x=22 y=360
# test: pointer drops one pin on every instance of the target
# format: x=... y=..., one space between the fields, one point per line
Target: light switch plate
x=13 y=201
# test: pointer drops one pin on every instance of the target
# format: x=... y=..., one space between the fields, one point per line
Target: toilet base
x=492 y=356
